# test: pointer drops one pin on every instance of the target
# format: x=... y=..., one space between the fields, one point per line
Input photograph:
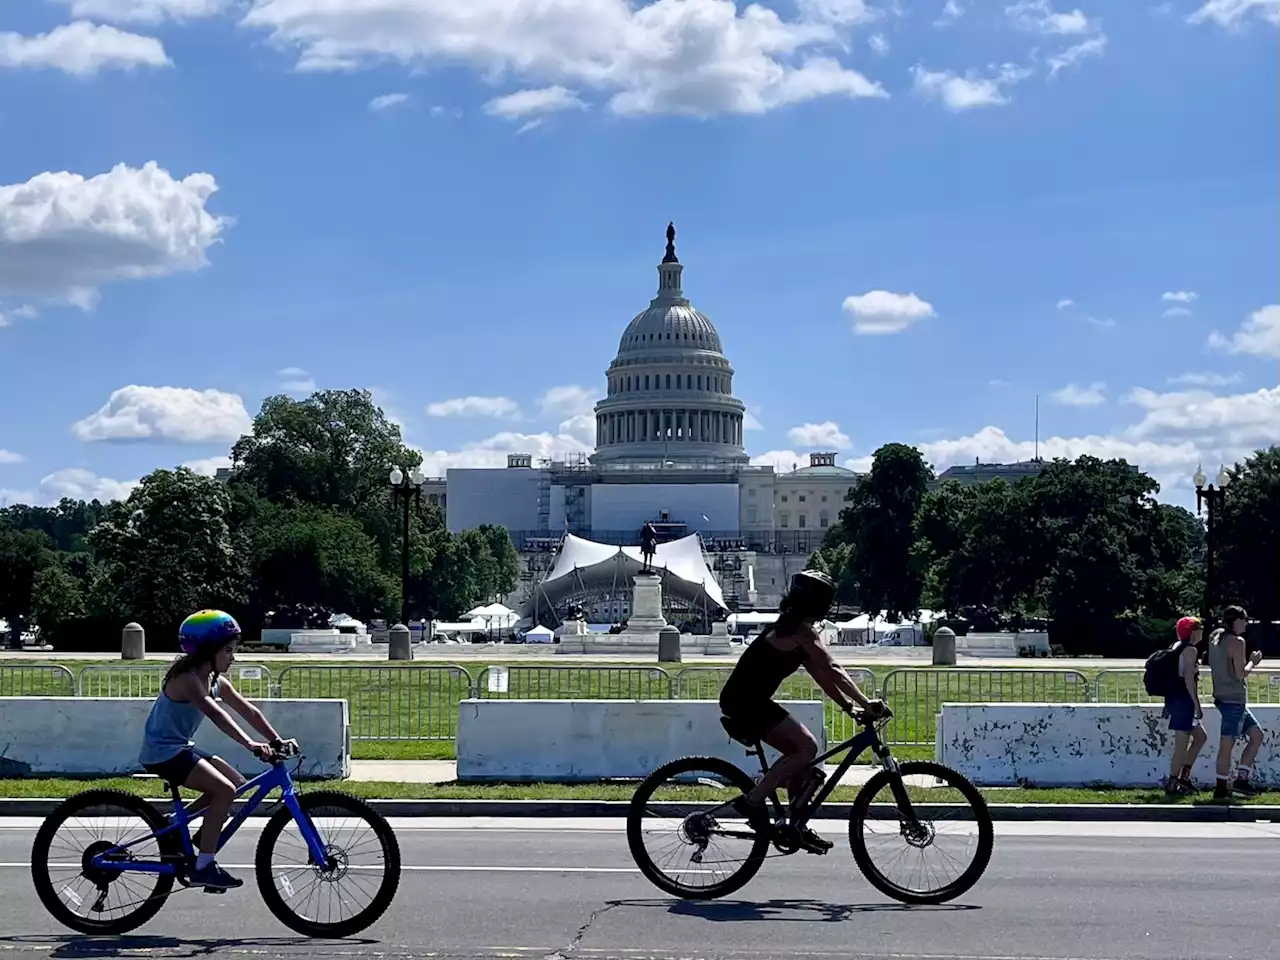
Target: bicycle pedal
x=215 y=889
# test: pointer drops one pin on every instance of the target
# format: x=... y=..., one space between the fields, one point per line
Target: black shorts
x=177 y=768
x=757 y=717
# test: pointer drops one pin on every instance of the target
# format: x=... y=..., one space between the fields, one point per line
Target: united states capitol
x=669 y=451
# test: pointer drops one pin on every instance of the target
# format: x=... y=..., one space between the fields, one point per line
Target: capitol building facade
x=669 y=451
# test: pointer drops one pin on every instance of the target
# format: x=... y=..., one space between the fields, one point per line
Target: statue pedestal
x=573 y=636
x=641 y=634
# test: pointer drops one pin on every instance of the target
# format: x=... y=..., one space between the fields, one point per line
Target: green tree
x=835 y=560
x=1247 y=538
x=23 y=553
x=168 y=550
x=57 y=600
x=879 y=526
x=506 y=569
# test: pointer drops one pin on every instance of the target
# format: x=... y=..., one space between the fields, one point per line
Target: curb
x=1003 y=812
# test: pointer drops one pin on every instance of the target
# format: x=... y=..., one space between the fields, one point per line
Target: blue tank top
x=171 y=728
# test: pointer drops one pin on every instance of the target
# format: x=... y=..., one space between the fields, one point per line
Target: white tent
x=540 y=634
x=494 y=616
x=584 y=565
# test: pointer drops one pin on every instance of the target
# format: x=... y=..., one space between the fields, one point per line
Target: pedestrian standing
x=1230 y=669
x=1183 y=710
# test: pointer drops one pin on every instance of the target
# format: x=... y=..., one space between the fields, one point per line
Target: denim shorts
x=1237 y=721
x=1181 y=711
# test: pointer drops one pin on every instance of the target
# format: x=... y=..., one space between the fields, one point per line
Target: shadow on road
x=782 y=910
x=82 y=947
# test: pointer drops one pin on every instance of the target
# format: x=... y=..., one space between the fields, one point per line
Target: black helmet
x=810 y=596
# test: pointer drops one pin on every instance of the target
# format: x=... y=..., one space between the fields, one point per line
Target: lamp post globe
x=397 y=476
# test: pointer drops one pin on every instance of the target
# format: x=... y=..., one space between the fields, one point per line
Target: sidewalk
x=446 y=771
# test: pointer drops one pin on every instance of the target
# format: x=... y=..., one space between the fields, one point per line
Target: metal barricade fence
x=36 y=680
x=410 y=702
x=145 y=680
x=916 y=694
x=572 y=683
x=1125 y=686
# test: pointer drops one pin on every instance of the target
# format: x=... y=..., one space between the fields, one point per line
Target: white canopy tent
x=584 y=566
x=494 y=616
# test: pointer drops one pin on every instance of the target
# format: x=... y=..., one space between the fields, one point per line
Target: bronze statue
x=671 y=244
x=648 y=545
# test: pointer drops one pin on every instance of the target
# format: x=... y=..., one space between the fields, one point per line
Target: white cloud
x=841 y=12
x=1037 y=16
x=691 y=57
x=750 y=421
x=1232 y=13
x=80 y=484
x=529 y=103
x=62 y=235
x=1258 y=336
x=825 y=436
x=145 y=11
x=174 y=414
x=474 y=407
x=82 y=49
x=1230 y=426
x=581 y=427
x=1176 y=312
x=296 y=380
x=878 y=43
x=959 y=93
x=1093 y=47
x=1206 y=379
x=207 y=466
x=387 y=101
x=8 y=456
x=998 y=382
x=1063 y=304
x=1180 y=296
x=783 y=461
x=951 y=12
x=880 y=312
x=1105 y=323
x=1077 y=396
x=492 y=452
x=568 y=401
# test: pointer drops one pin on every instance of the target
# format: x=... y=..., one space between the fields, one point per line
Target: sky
x=908 y=219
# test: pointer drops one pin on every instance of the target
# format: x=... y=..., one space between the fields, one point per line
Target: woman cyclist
x=190 y=693
x=781 y=649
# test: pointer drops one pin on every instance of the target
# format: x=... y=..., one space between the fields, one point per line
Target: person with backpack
x=1177 y=677
x=1230 y=668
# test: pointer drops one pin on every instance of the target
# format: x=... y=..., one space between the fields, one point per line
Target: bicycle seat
x=736 y=732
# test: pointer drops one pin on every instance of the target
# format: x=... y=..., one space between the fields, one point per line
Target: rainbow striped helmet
x=206 y=628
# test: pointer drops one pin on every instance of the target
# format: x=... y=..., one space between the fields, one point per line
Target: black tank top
x=760 y=671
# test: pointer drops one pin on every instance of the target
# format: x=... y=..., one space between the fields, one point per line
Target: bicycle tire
x=267 y=884
x=956 y=781
x=635 y=817
x=40 y=861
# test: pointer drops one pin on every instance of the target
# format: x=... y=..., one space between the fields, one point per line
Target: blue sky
x=907 y=219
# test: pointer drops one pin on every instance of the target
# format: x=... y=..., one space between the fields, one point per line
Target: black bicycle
x=703 y=830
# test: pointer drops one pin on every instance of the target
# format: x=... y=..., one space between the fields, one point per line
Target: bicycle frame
x=262 y=785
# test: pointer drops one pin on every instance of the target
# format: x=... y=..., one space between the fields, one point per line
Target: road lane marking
x=427 y=868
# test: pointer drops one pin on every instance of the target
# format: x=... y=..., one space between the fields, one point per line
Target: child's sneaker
x=1246 y=788
x=213 y=877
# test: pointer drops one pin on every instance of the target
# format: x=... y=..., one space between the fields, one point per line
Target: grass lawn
x=610 y=791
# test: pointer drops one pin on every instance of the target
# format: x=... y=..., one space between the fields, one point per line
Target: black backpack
x=1161 y=674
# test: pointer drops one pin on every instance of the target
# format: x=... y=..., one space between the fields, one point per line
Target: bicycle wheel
x=91 y=899
x=305 y=896
x=973 y=834
x=698 y=830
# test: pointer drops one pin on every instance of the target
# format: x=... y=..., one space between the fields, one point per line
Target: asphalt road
x=552 y=889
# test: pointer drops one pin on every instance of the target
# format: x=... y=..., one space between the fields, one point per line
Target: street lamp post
x=1209 y=496
x=408 y=488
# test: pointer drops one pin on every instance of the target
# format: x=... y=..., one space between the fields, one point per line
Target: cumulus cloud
x=207 y=466
x=951 y=12
x=8 y=456
x=81 y=484
x=1077 y=396
x=581 y=427
x=474 y=407
x=387 y=101
x=878 y=43
x=568 y=401
x=1233 y=13
x=825 y=435
x=63 y=235
x=1206 y=379
x=691 y=57
x=880 y=312
x=959 y=93
x=782 y=461
x=82 y=49
x=1258 y=336
x=1106 y=323
x=1063 y=304
x=1093 y=47
x=174 y=414
x=492 y=452
x=750 y=421
x=295 y=380
x=1180 y=296
x=145 y=11
x=1036 y=16
x=531 y=103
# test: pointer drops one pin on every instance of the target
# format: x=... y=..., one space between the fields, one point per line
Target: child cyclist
x=190 y=693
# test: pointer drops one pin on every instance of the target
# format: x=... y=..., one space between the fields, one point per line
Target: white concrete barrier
x=1063 y=745
x=92 y=736
x=577 y=740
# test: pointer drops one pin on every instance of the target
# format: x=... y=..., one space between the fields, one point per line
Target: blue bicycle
x=120 y=876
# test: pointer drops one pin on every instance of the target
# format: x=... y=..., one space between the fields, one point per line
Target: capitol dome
x=670 y=388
